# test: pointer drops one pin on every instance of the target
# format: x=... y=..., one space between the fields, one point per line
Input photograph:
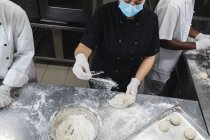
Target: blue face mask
x=129 y=10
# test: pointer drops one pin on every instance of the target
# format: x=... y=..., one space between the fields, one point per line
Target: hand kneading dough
x=175 y=119
x=122 y=101
x=164 y=126
x=203 y=75
x=189 y=133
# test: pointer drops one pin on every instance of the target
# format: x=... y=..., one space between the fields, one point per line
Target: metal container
x=62 y=114
x=151 y=130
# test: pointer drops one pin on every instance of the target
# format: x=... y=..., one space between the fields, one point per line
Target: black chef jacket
x=121 y=42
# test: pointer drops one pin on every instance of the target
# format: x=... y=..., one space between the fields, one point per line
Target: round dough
x=164 y=126
x=75 y=127
x=122 y=101
x=175 y=119
x=203 y=75
x=189 y=133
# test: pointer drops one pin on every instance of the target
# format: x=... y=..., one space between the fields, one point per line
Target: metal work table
x=29 y=115
x=202 y=86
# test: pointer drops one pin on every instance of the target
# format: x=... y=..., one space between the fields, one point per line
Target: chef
x=16 y=50
x=127 y=40
x=175 y=17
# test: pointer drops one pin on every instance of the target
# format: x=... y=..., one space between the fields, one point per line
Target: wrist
x=199 y=36
x=197 y=45
x=80 y=56
x=136 y=81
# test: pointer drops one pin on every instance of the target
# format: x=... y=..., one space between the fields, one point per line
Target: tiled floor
x=58 y=75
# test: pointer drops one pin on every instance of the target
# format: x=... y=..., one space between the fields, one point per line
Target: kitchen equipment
x=62 y=115
x=151 y=130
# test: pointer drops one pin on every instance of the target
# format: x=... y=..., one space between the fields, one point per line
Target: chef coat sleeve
x=155 y=42
x=167 y=18
x=93 y=31
x=17 y=75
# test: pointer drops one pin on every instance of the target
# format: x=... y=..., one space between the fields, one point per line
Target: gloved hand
x=5 y=98
x=203 y=44
x=132 y=87
x=81 y=67
x=202 y=36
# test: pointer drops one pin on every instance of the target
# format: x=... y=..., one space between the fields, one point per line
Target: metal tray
x=151 y=130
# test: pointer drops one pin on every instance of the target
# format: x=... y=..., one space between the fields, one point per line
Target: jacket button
x=116 y=71
x=120 y=41
x=8 y=68
x=118 y=58
x=5 y=44
x=121 y=22
x=137 y=23
x=7 y=58
x=135 y=42
x=132 y=58
x=0 y=23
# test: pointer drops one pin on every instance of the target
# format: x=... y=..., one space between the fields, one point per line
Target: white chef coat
x=16 y=45
x=175 y=17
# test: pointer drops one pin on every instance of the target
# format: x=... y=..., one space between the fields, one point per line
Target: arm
x=202 y=42
x=17 y=76
x=177 y=45
x=145 y=67
x=142 y=71
x=88 y=43
x=167 y=26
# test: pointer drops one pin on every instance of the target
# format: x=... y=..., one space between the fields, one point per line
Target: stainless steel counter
x=202 y=86
x=28 y=117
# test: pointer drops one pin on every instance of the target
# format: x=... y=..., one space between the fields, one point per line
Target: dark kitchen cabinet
x=31 y=7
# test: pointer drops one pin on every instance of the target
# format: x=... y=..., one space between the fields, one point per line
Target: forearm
x=145 y=67
x=177 y=45
x=83 y=49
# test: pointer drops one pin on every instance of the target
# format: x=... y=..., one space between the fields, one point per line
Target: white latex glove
x=5 y=98
x=202 y=36
x=203 y=44
x=132 y=87
x=81 y=67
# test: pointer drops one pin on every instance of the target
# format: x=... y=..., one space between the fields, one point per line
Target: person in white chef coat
x=16 y=50
x=175 y=17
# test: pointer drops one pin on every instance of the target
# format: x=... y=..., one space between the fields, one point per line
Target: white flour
x=101 y=83
x=6 y=136
x=76 y=127
x=197 y=67
x=118 y=123
x=35 y=110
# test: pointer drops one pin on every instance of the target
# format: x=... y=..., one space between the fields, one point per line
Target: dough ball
x=189 y=133
x=175 y=119
x=203 y=75
x=75 y=127
x=164 y=126
x=122 y=101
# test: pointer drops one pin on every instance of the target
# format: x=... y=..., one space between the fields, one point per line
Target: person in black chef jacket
x=127 y=40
